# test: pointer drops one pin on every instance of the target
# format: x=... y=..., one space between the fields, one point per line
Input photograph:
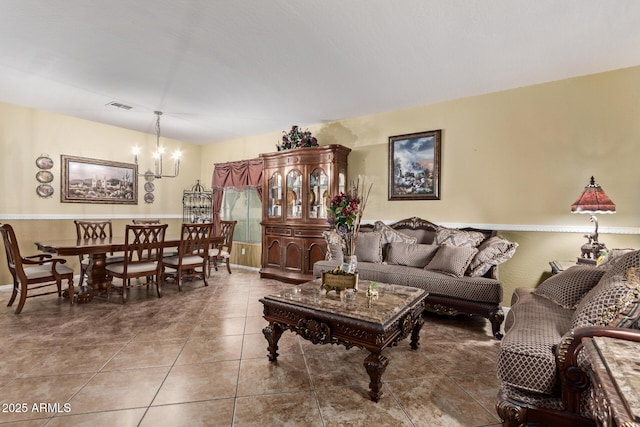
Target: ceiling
x=221 y=70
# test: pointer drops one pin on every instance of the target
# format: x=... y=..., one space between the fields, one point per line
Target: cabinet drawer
x=308 y=233
x=277 y=231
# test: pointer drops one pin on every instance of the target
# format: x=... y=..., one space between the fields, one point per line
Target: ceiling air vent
x=119 y=105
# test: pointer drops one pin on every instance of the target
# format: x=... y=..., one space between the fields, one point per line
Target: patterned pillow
x=622 y=264
x=613 y=256
x=334 y=245
x=390 y=235
x=493 y=251
x=369 y=247
x=410 y=254
x=607 y=303
x=452 y=260
x=568 y=287
x=456 y=237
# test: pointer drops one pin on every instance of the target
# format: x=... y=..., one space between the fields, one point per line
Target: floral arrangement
x=345 y=213
x=297 y=138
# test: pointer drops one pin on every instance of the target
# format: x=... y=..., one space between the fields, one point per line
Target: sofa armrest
x=574 y=379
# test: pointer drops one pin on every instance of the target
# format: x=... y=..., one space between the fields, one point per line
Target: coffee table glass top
x=392 y=299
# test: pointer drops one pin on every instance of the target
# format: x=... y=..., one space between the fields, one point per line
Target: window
x=244 y=206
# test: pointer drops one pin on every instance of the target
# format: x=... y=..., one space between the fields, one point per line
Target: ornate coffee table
x=372 y=324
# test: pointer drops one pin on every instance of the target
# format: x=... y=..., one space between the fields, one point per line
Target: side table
x=560 y=266
x=615 y=377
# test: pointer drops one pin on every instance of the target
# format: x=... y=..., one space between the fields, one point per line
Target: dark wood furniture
x=297 y=187
x=97 y=280
x=33 y=272
x=222 y=252
x=615 y=377
x=143 y=246
x=371 y=324
x=100 y=229
x=193 y=253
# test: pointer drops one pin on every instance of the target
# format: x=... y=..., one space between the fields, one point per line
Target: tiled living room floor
x=199 y=358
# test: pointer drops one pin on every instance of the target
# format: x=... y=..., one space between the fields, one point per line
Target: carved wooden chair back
x=142 y=257
x=37 y=270
x=222 y=251
x=192 y=258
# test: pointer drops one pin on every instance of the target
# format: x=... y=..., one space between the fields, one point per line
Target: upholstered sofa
x=456 y=266
x=544 y=376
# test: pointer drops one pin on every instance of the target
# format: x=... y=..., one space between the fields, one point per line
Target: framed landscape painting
x=414 y=166
x=98 y=181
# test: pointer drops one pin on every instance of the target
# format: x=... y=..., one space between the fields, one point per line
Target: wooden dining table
x=97 y=250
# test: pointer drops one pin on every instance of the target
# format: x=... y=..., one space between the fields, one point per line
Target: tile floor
x=199 y=358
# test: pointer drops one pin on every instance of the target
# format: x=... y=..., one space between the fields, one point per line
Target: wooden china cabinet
x=297 y=187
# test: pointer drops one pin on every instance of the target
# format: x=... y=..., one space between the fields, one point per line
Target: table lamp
x=593 y=200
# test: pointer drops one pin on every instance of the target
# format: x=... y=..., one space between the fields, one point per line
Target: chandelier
x=157 y=155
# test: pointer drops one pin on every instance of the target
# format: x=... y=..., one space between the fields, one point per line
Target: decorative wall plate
x=44 y=162
x=44 y=176
x=44 y=190
x=149 y=176
x=149 y=186
x=149 y=198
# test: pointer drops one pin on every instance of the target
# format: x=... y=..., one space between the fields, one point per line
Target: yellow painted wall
x=513 y=161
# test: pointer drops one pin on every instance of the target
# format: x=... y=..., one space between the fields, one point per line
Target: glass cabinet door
x=318 y=193
x=275 y=195
x=342 y=181
x=294 y=194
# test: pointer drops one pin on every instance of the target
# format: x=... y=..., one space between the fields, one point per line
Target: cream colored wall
x=512 y=161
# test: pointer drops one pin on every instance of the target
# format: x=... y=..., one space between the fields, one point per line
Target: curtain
x=238 y=175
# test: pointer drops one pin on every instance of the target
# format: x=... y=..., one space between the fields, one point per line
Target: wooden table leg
x=415 y=333
x=96 y=280
x=375 y=364
x=272 y=333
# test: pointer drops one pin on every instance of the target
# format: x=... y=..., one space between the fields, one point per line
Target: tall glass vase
x=349 y=263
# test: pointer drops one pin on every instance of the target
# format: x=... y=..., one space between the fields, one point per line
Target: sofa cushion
x=526 y=359
x=412 y=255
x=568 y=287
x=456 y=237
x=452 y=260
x=334 y=245
x=369 y=247
x=390 y=235
x=493 y=251
x=475 y=289
x=612 y=257
x=620 y=265
x=610 y=303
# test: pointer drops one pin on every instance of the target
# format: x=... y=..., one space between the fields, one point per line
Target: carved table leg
x=272 y=333
x=375 y=364
x=415 y=333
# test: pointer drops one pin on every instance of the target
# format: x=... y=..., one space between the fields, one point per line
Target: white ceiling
x=224 y=69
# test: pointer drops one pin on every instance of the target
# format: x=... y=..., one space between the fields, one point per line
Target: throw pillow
x=608 y=304
x=456 y=237
x=410 y=254
x=369 y=247
x=493 y=251
x=622 y=264
x=452 y=260
x=334 y=245
x=568 y=287
x=613 y=256
x=390 y=235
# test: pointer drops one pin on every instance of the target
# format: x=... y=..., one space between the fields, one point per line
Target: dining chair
x=101 y=229
x=33 y=272
x=222 y=251
x=143 y=245
x=192 y=254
